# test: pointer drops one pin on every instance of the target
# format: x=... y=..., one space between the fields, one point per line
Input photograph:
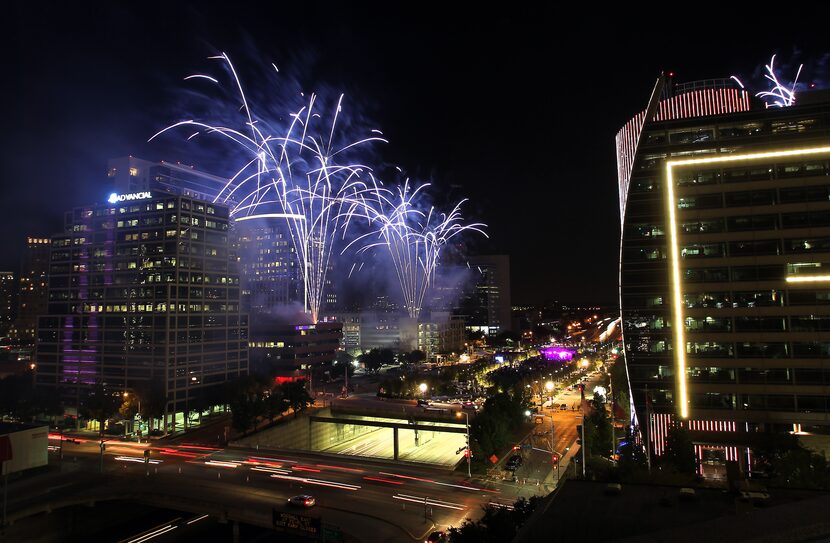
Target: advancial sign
x=129 y=197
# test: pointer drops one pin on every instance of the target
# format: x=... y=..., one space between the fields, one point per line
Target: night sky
x=515 y=108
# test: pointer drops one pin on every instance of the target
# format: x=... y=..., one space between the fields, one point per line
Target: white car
x=303 y=500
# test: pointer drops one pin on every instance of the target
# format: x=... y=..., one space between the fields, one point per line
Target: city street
x=391 y=502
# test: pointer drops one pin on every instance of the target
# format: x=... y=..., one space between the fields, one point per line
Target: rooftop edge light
x=677 y=302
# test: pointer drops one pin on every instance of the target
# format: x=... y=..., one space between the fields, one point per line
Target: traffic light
x=554 y=459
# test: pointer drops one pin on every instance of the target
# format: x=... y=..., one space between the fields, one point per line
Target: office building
x=290 y=350
x=724 y=278
x=143 y=292
x=486 y=304
x=128 y=175
x=33 y=289
x=268 y=267
x=8 y=302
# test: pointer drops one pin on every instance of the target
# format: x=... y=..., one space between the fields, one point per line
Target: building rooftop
x=582 y=511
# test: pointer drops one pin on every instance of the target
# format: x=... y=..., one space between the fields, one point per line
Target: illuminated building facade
x=725 y=208
x=143 y=292
x=33 y=289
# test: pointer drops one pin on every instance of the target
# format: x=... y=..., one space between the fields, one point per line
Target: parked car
x=302 y=500
x=436 y=537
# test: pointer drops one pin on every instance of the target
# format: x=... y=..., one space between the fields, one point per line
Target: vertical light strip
x=677 y=314
x=671 y=207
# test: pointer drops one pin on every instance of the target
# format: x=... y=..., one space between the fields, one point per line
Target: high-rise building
x=130 y=174
x=33 y=293
x=8 y=301
x=486 y=304
x=268 y=267
x=724 y=279
x=143 y=292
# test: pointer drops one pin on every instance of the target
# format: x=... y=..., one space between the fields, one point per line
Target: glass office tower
x=143 y=291
x=725 y=266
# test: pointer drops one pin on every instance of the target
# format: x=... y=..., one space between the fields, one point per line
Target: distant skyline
x=516 y=110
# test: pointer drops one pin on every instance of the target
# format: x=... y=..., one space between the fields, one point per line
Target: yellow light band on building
x=807 y=278
x=674 y=254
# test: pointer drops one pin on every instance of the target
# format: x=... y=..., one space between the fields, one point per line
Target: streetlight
x=468 y=452
x=423 y=388
x=549 y=388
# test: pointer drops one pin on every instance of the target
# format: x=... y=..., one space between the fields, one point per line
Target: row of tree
x=253 y=399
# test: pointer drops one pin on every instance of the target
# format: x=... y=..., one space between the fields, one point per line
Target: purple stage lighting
x=557 y=353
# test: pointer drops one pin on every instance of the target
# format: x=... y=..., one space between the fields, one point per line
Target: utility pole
x=648 y=431
x=613 y=437
x=103 y=448
x=583 y=445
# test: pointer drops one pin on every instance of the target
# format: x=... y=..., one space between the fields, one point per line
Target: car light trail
x=152 y=534
x=328 y=466
x=421 y=479
x=319 y=482
x=271 y=470
x=381 y=480
x=305 y=468
x=137 y=460
x=221 y=464
x=197 y=519
x=427 y=501
x=266 y=459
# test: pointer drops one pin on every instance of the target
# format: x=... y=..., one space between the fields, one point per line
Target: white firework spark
x=300 y=176
x=780 y=95
x=413 y=238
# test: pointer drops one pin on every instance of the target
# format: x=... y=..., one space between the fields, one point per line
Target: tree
x=101 y=405
x=415 y=357
x=598 y=428
x=152 y=398
x=498 y=524
x=247 y=402
x=374 y=359
x=679 y=453
x=789 y=463
x=276 y=403
x=296 y=395
x=631 y=461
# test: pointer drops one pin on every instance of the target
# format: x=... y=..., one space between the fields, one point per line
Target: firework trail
x=300 y=175
x=779 y=95
x=413 y=238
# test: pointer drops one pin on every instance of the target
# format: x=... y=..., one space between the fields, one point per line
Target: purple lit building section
x=560 y=354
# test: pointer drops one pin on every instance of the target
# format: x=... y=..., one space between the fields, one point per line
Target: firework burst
x=301 y=174
x=414 y=238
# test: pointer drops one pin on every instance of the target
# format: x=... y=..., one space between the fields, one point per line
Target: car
x=423 y=403
x=468 y=405
x=613 y=489
x=755 y=497
x=513 y=463
x=436 y=537
x=302 y=500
